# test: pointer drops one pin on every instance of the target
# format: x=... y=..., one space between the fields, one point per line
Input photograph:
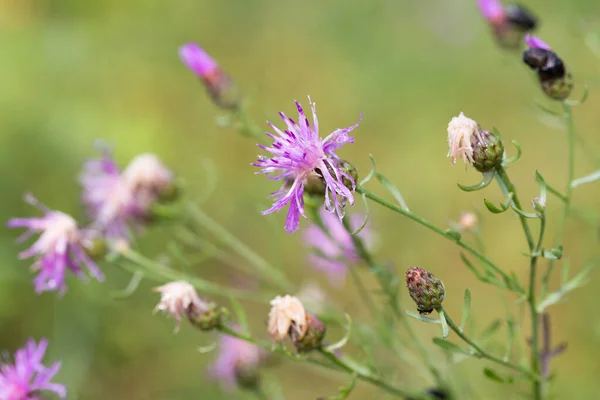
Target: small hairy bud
x=488 y=152
x=425 y=289
x=312 y=339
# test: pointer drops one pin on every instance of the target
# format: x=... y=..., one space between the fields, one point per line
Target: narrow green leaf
x=449 y=346
x=487 y=179
x=131 y=287
x=515 y=157
x=392 y=189
x=207 y=349
x=343 y=392
x=493 y=209
x=565 y=272
x=491 y=329
x=240 y=315
x=364 y=223
x=489 y=373
x=524 y=214
x=594 y=176
x=586 y=92
x=510 y=338
x=422 y=318
x=445 y=330
x=342 y=342
x=466 y=309
x=371 y=172
x=547 y=110
x=581 y=278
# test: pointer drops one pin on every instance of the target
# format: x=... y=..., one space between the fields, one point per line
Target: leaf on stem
x=594 y=176
x=510 y=338
x=584 y=97
x=487 y=179
x=465 y=310
x=491 y=329
x=503 y=207
x=240 y=315
x=207 y=349
x=341 y=343
x=393 y=190
x=445 y=330
x=422 y=318
x=524 y=214
x=516 y=156
x=131 y=287
x=343 y=392
x=371 y=172
x=364 y=223
x=450 y=347
x=578 y=280
x=492 y=375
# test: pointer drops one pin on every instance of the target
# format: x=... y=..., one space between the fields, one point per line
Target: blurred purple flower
x=61 y=246
x=237 y=360
x=198 y=60
x=115 y=200
x=492 y=10
x=27 y=377
x=535 y=42
x=334 y=251
x=298 y=153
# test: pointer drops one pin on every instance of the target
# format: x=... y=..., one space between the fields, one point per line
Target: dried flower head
x=287 y=315
x=299 y=153
x=462 y=133
x=179 y=299
x=334 y=250
x=220 y=87
x=425 y=289
x=237 y=363
x=27 y=377
x=60 y=247
x=554 y=77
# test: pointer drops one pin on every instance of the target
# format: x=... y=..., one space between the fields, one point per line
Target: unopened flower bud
x=96 y=248
x=221 y=88
x=488 y=152
x=425 y=289
x=313 y=337
x=180 y=299
x=538 y=204
x=554 y=77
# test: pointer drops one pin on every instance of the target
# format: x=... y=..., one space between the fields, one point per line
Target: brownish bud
x=425 y=289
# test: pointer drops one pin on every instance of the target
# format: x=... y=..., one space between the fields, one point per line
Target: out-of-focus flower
x=313 y=297
x=298 y=154
x=27 y=377
x=60 y=247
x=237 y=363
x=467 y=140
x=115 y=201
x=425 y=289
x=179 y=299
x=509 y=23
x=334 y=251
x=554 y=77
x=287 y=313
x=538 y=204
x=468 y=221
x=220 y=87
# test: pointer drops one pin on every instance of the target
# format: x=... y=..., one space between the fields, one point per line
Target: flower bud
x=488 y=152
x=426 y=290
x=509 y=23
x=96 y=248
x=208 y=317
x=312 y=338
x=554 y=77
x=538 y=204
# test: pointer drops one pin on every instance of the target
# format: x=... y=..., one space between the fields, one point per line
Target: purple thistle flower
x=237 y=361
x=114 y=200
x=298 y=153
x=198 y=60
x=535 y=42
x=334 y=251
x=492 y=10
x=27 y=377
x=61 y=246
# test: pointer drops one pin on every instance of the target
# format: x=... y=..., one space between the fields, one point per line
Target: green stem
x=337 y=363
x=482 y=353
x=562 y=222
x=262 y=266
x=432 y=227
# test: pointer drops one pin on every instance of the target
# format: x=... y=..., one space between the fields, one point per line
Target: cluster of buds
x=509 y=23
x=289 y=318
x=554 y=77
x=425 y=289
x=180 y=299
x=482 y=149
x=219 y=85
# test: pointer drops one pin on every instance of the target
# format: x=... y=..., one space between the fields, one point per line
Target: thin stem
x=336 y=363
x=562 y=222
x=262 y=266
x=482 y=353
x=432 y=227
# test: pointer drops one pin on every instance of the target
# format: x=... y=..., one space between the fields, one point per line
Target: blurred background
x=72 y=72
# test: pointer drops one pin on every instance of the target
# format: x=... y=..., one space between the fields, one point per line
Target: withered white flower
x=460 y=137
x=178 y=298
x=286 y=312
x=468 y=221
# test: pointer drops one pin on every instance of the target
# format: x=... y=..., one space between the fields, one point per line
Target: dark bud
x=488 y=152
x=312 y=338
x=554 y=77
x=207 y=317
x=520 y=18
x=425 y=289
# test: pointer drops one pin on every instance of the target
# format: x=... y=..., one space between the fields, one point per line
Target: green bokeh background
x=73 y=71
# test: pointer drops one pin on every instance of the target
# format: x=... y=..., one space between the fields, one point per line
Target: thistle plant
x=384 y=349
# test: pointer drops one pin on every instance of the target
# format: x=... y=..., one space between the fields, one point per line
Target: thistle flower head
x=60 y=247
x=509 y=23
x=334 y=250
x=492 y=10
x=197 y=60
x=425 y=289
x=237 y=363
x=462 y=133
x=299 y=153
x=179 y=299
x=27 y=377
x=116 y=201
x=554 y=77
x=287 y=315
